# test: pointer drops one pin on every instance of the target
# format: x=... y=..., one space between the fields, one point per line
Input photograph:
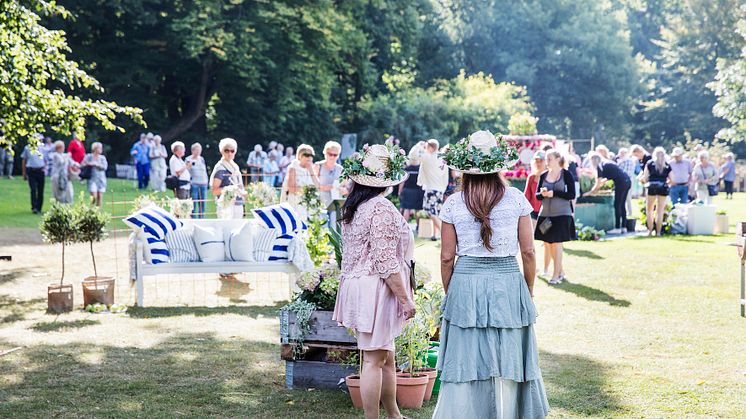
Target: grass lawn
x=645 y=327
x=15 y=208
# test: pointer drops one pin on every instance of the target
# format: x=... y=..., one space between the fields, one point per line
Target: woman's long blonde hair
x=659 y=158
x=481 y=194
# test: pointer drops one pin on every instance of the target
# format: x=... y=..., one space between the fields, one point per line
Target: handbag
x=172 y=182
x=412 y=279
x=545 y=226
x=85 y=172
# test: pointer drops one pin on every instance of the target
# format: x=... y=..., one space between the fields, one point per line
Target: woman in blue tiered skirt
x=488 y=353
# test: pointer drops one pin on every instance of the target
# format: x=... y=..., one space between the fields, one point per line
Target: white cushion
x=181 y=245
x=210 y=243
x=281 y=217
x=153 y=220
x=239 y=244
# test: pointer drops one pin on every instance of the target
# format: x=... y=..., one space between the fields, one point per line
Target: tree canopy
x=309 y=70
x=39 y=83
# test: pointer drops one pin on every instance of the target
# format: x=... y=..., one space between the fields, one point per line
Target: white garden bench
x=144 y=269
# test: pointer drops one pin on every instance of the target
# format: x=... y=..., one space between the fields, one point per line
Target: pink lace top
x=376 y=245
x=376 y=240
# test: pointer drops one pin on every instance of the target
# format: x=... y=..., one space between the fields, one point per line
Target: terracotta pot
x=353 y=385
x=410 y=391
x=431 y=374
x=98 y=289
x=59 y=298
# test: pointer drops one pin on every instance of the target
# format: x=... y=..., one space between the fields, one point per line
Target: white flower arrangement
x=181 y=208
x=261 y=195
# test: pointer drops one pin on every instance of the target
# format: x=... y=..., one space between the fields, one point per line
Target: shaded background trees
x=307 y=71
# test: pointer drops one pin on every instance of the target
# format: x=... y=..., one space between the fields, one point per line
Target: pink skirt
x=366 y=304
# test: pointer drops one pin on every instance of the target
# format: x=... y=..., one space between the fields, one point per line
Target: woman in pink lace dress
x=375 y=298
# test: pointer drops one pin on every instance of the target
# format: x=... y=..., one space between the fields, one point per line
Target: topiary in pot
x=90 y=225
x=57 y=227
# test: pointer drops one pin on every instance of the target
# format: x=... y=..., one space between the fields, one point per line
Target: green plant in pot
x=428 y=301
x=412 y=382
x=90 y=224
x=58 y=227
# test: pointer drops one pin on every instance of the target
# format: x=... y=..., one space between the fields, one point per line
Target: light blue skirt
x=488 y=355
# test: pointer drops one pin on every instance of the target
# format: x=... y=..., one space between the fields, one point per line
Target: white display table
x=700 y=219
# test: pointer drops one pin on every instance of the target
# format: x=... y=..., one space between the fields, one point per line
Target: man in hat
x=681 y=176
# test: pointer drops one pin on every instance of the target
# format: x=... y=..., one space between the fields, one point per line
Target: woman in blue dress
x=488 y=357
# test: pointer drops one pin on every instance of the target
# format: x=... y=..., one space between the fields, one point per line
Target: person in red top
x=76 y=149
x=538 y=167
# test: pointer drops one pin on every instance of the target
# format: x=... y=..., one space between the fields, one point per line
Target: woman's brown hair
x=481 y=194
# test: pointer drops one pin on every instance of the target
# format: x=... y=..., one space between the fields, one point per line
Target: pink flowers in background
x=519 y=172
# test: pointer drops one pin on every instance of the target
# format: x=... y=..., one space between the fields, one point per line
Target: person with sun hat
x=488 y=357
x=375 y=297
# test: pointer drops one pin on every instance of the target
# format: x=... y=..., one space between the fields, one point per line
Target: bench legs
x=139 y=289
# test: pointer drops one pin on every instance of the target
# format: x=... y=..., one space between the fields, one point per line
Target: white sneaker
x=615 y=231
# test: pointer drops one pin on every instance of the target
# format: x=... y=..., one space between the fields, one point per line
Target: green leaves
x=37 y=80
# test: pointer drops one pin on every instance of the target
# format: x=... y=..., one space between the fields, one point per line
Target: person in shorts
x=433 y=178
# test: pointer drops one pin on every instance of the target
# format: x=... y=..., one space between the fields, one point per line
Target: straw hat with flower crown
x=379 y=165
x=480 y=154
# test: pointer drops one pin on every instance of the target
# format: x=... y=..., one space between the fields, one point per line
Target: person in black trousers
x=32 y=169
x=608 y=170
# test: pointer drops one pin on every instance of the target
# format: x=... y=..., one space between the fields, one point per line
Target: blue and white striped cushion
x=154 y=220
x=280 y=247
x=271 y=245
x=157 y=250
x=181 y=246
x=281 y=217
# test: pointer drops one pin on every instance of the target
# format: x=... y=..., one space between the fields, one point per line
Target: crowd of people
x=48 y=159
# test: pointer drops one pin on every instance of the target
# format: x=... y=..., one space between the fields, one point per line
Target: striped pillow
x=271 y=245
x=181 y=246
x=155 y=250
x=281 y=217
x=154 y=221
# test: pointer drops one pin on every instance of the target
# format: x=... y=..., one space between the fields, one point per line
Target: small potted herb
x=57 y=227
x=412 y=345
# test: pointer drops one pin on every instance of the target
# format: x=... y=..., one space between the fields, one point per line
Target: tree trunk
x=198 y=104
x=93 y=258
x=62 y=278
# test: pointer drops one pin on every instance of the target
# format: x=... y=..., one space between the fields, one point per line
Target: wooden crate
x=323 y=329
x=316 y=374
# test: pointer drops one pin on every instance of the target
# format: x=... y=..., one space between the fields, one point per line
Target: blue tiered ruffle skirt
x=488 y=355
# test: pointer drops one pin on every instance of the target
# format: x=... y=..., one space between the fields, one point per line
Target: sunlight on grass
x=644 y=327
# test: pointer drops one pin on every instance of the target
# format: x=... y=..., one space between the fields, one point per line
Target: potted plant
x=353 y=381
x=428 y=301
x=721 y=222
x=57 y=226
x=90 y=224
x=411 y=382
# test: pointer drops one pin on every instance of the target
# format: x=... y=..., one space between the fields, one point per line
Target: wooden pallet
x=314 y=371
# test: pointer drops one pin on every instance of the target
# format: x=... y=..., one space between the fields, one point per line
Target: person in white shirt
x=180 y=169
x=433 y=178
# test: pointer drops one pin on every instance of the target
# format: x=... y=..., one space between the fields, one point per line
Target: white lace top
x=504 y=222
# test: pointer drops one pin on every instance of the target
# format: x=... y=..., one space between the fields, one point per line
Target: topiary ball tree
x=58 y=226
x=90 y=225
